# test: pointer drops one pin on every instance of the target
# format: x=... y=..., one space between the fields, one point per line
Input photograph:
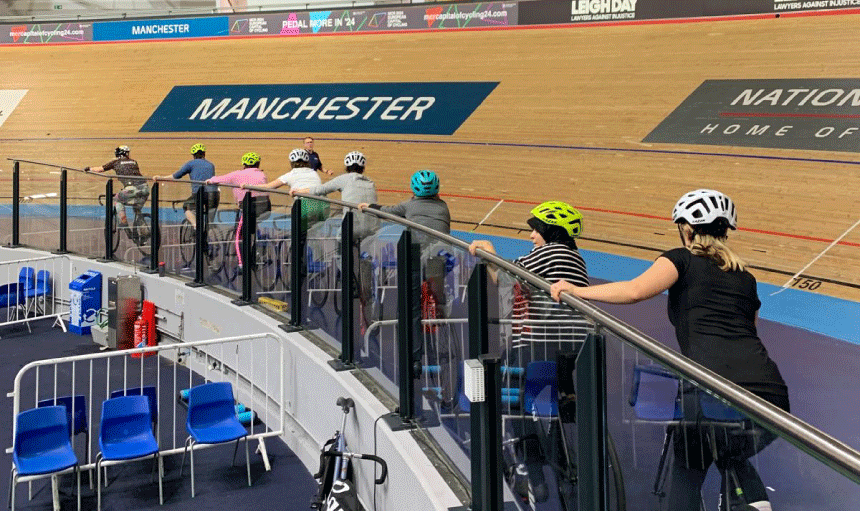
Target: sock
x=761 y=505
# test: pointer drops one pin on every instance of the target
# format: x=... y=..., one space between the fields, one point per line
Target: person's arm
x=185 y=169
x=104 y=168
x=656 y=279
x=335 y=185
x=486 y=246
x=397 y=209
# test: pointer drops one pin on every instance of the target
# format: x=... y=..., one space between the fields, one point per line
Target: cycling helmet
x=560 y=214
x=354 y=158
x=299 y=155
x=424 y=183
x=250 y=159
x=703 y=207
x=122 y=150
x=198 y=148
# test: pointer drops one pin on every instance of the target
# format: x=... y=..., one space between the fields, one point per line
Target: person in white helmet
x=355 y=187
x=713 y=305
x=301 y=176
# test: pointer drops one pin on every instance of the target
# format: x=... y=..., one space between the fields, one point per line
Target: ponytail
x=712 y=245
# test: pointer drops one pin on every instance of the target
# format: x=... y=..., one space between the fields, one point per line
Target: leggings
x=261 y=205
x=693 y=456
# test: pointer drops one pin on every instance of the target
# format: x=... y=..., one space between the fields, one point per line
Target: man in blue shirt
x=315 y=162
x=200 y=169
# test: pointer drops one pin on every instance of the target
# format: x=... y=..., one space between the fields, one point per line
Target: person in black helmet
x=713 y=305
x=135 y=192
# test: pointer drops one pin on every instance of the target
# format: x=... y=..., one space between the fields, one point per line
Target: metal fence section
x=31 y=289
x=253 y=364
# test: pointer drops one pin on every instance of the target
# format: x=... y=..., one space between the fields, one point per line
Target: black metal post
x=591 y=423
x=109 y=212
x=249 y=229
x=487 y=448
x=16 y=206
x=478 y=347
x=479 y=319
x=408 y=322
x=347 y=291
x=64 y=212
x=154 y=230
x=297 y=270
x=200 y=240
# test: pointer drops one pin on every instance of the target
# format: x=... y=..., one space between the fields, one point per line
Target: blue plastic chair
x=42 y=448
x=212 y=419
x=540 y=392
x=126 y=435
x=149 y=391
x=37 y=295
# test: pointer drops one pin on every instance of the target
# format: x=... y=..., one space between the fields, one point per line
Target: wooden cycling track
x=565 y=123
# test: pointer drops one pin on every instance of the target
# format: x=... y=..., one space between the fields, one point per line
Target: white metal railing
x=31 y=289
x=254 y=364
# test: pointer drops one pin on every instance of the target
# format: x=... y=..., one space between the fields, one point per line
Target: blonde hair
x=714 y=248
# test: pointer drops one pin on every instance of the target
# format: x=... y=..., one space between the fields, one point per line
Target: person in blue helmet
x=425 y=207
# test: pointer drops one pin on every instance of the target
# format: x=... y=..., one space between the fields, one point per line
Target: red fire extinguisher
x=140 y=334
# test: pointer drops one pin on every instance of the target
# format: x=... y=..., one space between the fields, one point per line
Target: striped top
x=537 y=318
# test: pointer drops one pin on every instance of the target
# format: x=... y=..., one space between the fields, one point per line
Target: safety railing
x=253 y=364
x=562 y=395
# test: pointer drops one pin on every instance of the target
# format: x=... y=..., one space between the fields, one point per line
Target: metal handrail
x=823 y=447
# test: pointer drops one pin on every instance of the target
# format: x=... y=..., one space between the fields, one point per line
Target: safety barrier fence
x=29 y=290
x=581 y=407
x=253 y=364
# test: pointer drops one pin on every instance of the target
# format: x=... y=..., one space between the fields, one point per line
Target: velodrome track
x=565 y=122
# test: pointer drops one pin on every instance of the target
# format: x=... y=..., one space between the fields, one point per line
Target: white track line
x=488 y=215
x=837 y=240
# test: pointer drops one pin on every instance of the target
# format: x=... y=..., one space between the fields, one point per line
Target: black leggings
x=733 y=445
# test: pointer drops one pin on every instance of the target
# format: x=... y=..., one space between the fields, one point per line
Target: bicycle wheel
x=186 y=243
x=141 y=232
x=266 y=262
x=214 y=249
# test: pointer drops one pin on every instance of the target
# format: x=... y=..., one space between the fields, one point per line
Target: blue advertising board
x=161 y=29
x=431 y=108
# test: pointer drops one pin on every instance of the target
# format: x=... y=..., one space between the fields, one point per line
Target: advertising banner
x=490 y=14
x=817 y=114
x=544 y=12
x=160 y=29
x=431 y=108
x=40 y=33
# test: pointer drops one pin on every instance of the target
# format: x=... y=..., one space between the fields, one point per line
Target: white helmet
x=299 y=155
x=354 y=158
x=703 y=207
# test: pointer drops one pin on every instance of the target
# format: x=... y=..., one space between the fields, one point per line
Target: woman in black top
x=713 y=305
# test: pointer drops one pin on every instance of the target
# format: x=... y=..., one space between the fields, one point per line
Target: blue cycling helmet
x=424 y=183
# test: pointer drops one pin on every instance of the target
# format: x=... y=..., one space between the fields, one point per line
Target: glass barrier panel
x=222 y=242
x=322 y=304
x=39 y=206
x=444 y=345
x=376 y=312
x=86 y=214
x=272 y=256
x=538 y=344
x=676 y=446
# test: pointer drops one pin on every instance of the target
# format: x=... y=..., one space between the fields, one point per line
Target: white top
x=301 y=177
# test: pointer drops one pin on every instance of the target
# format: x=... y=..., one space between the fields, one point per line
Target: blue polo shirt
x=200 y=169
x=314 y=162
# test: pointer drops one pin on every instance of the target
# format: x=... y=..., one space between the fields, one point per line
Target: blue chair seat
x=226 y=430
x=46 y=462
x=137 y=446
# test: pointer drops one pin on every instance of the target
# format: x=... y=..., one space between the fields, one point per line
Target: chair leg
x=11 y=486
x=185 y=451
x=192 y=469
x=99 y=482
x=12 y=492
x=248 y=461
x=235 y=450
x=78 y=475
x=160 y=478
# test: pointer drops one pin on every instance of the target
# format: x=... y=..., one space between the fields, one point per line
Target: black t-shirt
x=713 y=312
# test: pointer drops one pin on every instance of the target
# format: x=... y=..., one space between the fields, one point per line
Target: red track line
x=637 y=215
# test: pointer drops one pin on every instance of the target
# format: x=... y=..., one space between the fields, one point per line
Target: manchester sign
x=817 y=114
